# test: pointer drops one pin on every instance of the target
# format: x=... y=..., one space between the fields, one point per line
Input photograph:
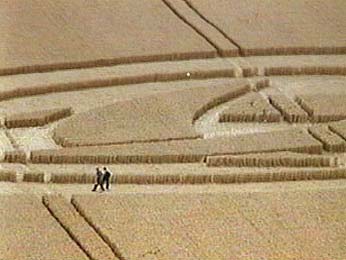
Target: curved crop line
x=211 y=104
x=260 y=84
x=152 y=77
x=220 y=100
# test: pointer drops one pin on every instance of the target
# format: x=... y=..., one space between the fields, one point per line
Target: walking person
x=106 y=177
x=99 y=180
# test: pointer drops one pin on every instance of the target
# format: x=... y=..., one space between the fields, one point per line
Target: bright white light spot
x=188 y=74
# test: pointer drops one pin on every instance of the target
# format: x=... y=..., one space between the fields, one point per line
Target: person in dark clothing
x=106 y=177
x=99 y=180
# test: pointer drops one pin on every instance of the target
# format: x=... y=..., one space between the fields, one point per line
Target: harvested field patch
x=221 y=220
x=37 y=118
x=90 y=42
x=279 y=159
x=78 y=228
x=289 y=109
x=253 y=25
x=164 y=116
x=251 y=107
x=331 y=141
x=28 y=231
x=184 y=150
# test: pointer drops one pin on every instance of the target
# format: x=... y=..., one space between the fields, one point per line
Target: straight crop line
x=63 y=143
x=295 y=100
x=191 y=25
x=71 y=65
x=215 y=26
x=98 y=232
x=67 y=231
x=336 y=132
x=270 y=103
x=277 y=108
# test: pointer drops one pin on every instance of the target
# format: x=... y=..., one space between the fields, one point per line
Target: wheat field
x=216 y=226
x=254 y=29
x=223 y=124
x=24 y=232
